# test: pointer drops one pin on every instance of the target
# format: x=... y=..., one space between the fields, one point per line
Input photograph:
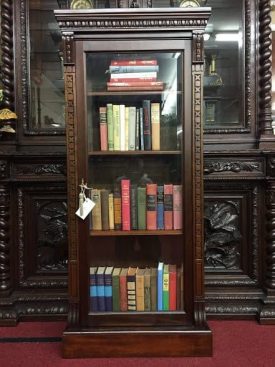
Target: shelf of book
x=132 y=93
x=133 y=153
x=159 y=232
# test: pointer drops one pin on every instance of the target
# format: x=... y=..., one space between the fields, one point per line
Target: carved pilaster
x=265 y=73
x=7 y=69
x=5 y=277
x=198 y=50
x=68 y=47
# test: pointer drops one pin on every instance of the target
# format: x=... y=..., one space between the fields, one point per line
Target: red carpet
x=236 y=344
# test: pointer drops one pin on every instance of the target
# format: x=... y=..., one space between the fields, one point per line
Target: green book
x=115 y=283
x=165 y=288
x=116 y=123
x=110 y=126
x=147 y=289
x=141 y=207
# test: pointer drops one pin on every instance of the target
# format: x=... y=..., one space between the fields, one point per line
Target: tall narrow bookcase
x=133 y=86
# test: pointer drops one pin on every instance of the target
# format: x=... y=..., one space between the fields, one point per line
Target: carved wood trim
x=5 y=266
x=69 y=54
x=198 y=48
x=7 y=70
x=270 y=236
x=265 y=68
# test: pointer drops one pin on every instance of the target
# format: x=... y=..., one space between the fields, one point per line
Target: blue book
x=108 y=289
x=160 y=285
x=93 y=290
x=160 y=207
x=100 y=288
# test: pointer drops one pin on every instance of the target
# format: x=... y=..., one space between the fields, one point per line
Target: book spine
x=168 y=206
x=160 y=207
x=117 y=206
x=146 y=104
x=104 y=194
x=112 y=88
x=122 y=126
x=127 y=127
x=100 y=292
x=115 y=284
x=117 y=69
x=165 y=288
x=141 y=207
x=151 y=206
x=137 y=129
x=133 y=62
x=159 y=286
x=111 y=211
x=153 y=286
x=155 y=122
x=134 y=76
x=116 y=123
x=93 y=292
x=177 y=206
x=103 y=128
x=132 y=128
x=131 y=293
x=133 y=206
x=125 y=204
x=140 y=292
x=96 y=213
x=110 y=126
x=108 y=292
x=147 y=291
x=172 y=288
x=143 y=83
x=123 y=302
x=141 y=128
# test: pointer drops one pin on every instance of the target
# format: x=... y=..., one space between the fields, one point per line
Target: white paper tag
x=88 y=206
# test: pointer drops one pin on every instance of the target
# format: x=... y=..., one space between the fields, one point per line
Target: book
x=117 y=205
x=141 y=207
x=117 y=69
x=137 y=129
x=160 y=207
x=177 y=206
x=113 y=88
x=159 y=286
x=111 y=211
x=116 y=290
x=133 y=76
x=133 y=206
x=104 y=194
x=125 y=205
x=123 y=299
x=147 y=289
x=146 y=105
x=168 y=206
x=180 y=288
x=127 y=127
x=151 y=206
x=122 y=126
x=153 y=288
x=140 y=289
x=165 y=288
x=96 y=212
x=93 y=290
x=141 y=128
x=155 y=123
x=132 y=128
x=139 y=83
x=108 y=289
x=131 y=289
x=116 y=126
x=135 y=61
x=100 y=288
x=103 y=128
x=129 y=79
x=110 y=126
x=172 y=287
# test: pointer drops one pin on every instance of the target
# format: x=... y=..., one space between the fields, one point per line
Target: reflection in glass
x=46 y=72
x=223 y=63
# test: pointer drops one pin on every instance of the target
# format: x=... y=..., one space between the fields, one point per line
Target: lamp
x=6 y=117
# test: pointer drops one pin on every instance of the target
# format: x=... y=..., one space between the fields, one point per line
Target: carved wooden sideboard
x=239 y=189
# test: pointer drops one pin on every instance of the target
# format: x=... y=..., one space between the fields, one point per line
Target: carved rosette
x=265 y=70
x=199 y=313
x=7 y=69
x=5 y=278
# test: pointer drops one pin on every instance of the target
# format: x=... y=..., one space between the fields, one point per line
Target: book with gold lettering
x=131 y=289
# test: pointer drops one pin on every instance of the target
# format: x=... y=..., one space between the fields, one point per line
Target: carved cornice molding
x=7 y=69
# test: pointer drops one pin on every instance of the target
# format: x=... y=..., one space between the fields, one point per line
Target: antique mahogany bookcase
x=148 y=169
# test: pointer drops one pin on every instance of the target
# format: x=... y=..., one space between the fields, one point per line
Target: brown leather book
x=96 y=212
x=105 y=209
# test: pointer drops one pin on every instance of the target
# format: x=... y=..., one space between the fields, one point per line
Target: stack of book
x=124 y=128
x=118 y=289
x=132 y=207
x=127 y=75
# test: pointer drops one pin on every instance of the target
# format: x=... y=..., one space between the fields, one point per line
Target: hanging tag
x=81 y=201
x=87 y=207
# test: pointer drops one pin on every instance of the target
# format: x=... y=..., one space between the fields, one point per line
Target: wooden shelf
x=158 y=232
x=133 y=152
x=132 y=93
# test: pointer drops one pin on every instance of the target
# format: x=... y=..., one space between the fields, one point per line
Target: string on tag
x=82 y=195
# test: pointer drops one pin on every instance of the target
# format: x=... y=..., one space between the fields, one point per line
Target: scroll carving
x=236 y=167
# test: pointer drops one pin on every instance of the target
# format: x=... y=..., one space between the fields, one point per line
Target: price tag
x=87 y=207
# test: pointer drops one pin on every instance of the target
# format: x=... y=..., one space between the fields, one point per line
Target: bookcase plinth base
x=121 y=343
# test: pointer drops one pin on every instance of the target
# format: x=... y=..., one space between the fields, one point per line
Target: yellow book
x=111 y=211
x=155 y=122
x=116 y=123
x=140 y=289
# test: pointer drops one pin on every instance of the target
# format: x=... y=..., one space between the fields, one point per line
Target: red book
x=168 y=206
x=136 y=79
x=133 y=62
x=139 y=83
x=172 y=287
x=103 y=128
x=125 y=204
x=151 y=206
x=123 y=290
x=177 y=206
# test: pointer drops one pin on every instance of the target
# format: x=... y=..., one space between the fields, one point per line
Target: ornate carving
x=52 y=241
x=7 y=69
x=45 y=169
x=222 y=234
x=270 y=236
x=233 y=309
x=4 y=173
x=5 y=277
x=69 y=57
x=198 y=53
x=214 y=167
x=265 y=70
